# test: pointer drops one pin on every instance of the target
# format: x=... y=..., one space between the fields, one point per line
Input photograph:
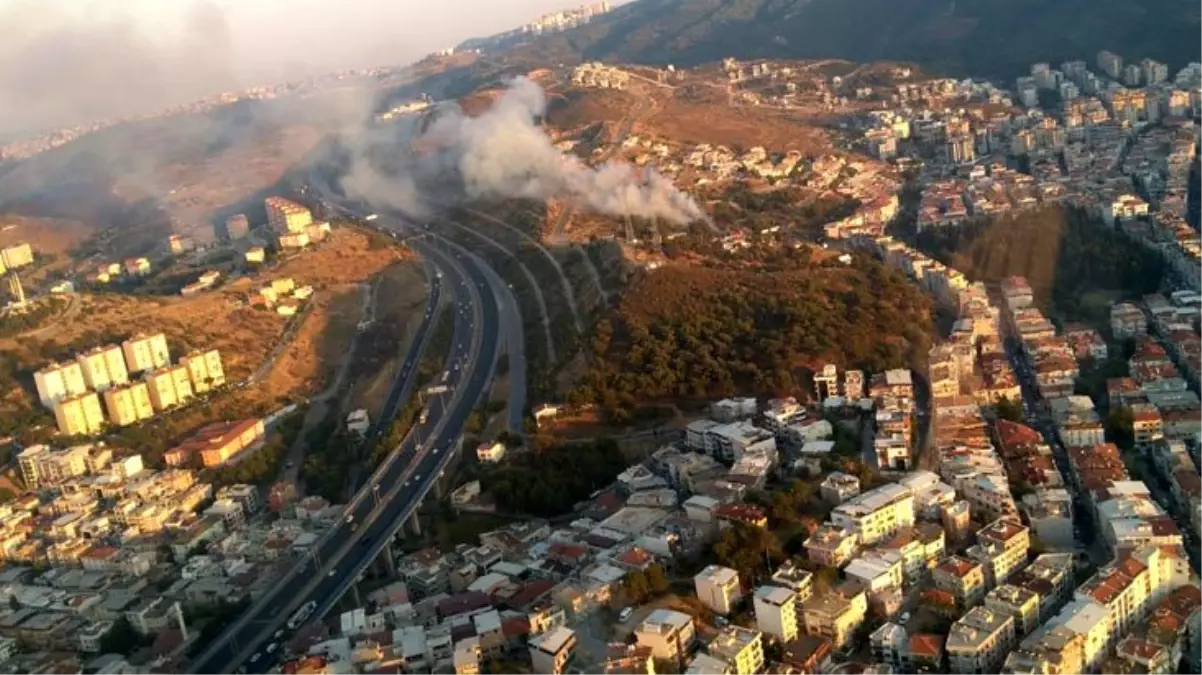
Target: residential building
x=79 y=415
x=490 y=452
x=286 y=216
x=795 y=578
x=103 y=367
x=979 y=641
x=168 y=387
x=741 y=648
x=776 y=612
x=963 y=578
x=831 y=545
x=668 y=633
x=1127 y=321
x=1090 y=622
x=839 y=487
x=15 y=256
x=551 y=651
x=1017 y=602
x=1146 y=423
x=205 y=371
x=1002 y=549
x=146 y=352
x=718 y=588
x=41 y=465
x=58 y=381
x=237 y=227
x=1129 y=586
x=128 y=404
x=877 y=570
x=835 y=616
x=876 y=514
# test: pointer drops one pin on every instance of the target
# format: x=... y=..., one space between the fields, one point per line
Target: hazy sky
x=67 y=61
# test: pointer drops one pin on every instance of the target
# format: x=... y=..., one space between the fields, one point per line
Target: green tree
x=1120 y=427
x=751 y=551
x=1009 y=410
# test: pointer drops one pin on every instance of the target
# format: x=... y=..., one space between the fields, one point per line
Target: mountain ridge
x=995 y=38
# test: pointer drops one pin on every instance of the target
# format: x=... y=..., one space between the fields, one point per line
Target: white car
x=255 y=658
x=272 y=647
x=332 y=573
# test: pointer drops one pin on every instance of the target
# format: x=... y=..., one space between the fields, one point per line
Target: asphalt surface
x=394 y=492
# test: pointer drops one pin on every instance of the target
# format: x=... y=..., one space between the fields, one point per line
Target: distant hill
x=957 y=37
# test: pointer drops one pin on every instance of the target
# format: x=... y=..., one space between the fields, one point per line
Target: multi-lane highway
x=393 y=493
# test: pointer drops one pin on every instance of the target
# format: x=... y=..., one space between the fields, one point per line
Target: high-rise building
x=103 y=367
x=79 y=415
x=128 y=404
x=285 y=215
x=146 y=352
x=58 y=381
x=204 y=370
x=16 y=292
x=1154 y=72
x=1110 y=63
x=17 y=256
x=237 y=227
x=168 y=387
x=1131 y=75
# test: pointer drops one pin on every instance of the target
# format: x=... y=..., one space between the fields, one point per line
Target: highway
x=393 y=493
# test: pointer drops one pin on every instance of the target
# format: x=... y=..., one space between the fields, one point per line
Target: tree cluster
x=548 y=480
x=688 y=333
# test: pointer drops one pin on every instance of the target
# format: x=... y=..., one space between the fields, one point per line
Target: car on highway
x=625 y=613
x=350 y=518
x=256 y=657
x=332 y=573
x=278 y=633
x=272 y=647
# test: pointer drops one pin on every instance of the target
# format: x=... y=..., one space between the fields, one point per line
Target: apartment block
x=551 y=651
x=876 y=514
x=41 y=465
x=963 y=578
x=16 y=256
x=718 y=588
x=834 y=615
x=103 y=367
x=1002 y=549
x=1017 y=602
x=205 y=371
x=877 y=570
x=742 y=649
x=79 y=415
x=776 y=612
x=58 y=381
x=668 y=633
x=1130 y=585
x=795 y=578
x=128 y=404
x=979 y=641
x=831 y=545
x=168 y=387
x=285 y=215
x=146 y=352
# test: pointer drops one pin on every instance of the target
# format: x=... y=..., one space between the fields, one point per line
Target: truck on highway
x=301 y=615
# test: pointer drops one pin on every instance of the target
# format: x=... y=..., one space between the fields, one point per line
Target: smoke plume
x=504 y=153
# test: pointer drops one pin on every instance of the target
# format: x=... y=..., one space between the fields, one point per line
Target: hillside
x=1075 y=265
x=693 y=334
x=957 y=37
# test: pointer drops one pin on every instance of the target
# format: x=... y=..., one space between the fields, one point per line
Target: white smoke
x=503 y=153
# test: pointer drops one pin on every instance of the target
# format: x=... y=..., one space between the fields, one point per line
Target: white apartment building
x=1002 y=549
x=979 y=641
x=103 y=367
x=776 y=612
x=41 y=465
x=877 y=570
x=58 y=381
x=668 y=633
x=146 y=352
x=79 y=415
x=718 y=588
x=876 y=514
x=551 y=651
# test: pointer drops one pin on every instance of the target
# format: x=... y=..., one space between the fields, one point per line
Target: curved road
x=390 y=497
